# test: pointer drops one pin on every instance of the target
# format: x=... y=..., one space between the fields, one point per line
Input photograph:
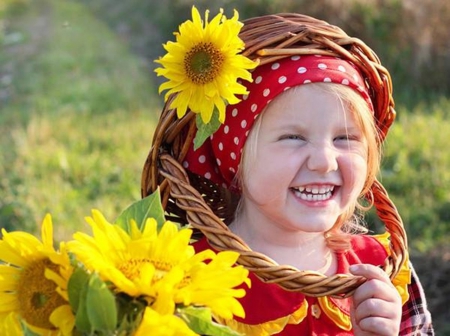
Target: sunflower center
x=203 y=63
x=132 y=268
x=37 y=295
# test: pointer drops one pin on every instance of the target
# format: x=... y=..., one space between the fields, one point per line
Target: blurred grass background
x=78 y=105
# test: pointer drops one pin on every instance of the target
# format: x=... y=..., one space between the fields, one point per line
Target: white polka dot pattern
x=218 y=158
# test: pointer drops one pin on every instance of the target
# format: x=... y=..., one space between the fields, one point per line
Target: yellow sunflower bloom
x=203 y=65
x=156 y=324
x=161 y=266
x=33 y=283
x=133 y=263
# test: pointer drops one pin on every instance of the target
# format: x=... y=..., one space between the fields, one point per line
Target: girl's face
x=309 y=163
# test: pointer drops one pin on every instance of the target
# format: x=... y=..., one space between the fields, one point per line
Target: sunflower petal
x=8 y=302
x=47 y=233
x=63 y=319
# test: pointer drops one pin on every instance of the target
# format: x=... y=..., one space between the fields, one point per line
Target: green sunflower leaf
x=77 y=281
x=101 y=306
x=204 y=131
x=199 y=320
x=140 y=211
x=77 y=291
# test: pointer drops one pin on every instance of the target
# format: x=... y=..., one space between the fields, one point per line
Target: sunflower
x=203 y=65
x=213 y=285
x=160 y=266
x=132 y=261
x=156 y=324
x=33 y=283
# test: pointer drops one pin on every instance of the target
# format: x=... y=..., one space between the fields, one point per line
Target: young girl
x=300 y=152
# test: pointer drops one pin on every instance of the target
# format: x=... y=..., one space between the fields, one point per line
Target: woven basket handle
x=220 y=237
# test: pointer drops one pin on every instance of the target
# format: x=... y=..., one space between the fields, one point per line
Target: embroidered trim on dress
x=270 y=327
x=341 y=319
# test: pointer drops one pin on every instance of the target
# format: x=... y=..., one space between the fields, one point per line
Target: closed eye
x=292 y=137
x=348 y=137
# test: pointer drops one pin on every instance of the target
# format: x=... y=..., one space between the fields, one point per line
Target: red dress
x=269 y=309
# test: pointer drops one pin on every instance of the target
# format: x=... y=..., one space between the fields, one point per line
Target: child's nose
x=322 y=158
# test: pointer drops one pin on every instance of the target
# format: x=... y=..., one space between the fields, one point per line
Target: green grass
x=67 y=165
x=415 y=172
x=78 y=122
x=74 y=63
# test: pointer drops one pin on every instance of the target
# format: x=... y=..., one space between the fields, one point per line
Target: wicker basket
x=188 y=198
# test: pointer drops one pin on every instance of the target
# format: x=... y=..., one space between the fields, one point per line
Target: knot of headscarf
x=219 y=156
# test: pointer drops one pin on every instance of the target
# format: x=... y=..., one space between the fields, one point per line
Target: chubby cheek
x=354 y=173
x=269 y=180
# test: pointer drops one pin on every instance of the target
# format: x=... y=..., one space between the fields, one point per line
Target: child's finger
x=369 y=272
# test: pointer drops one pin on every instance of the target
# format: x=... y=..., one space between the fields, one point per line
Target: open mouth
x=314 y=193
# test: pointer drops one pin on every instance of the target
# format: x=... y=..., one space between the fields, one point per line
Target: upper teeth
x=316 y=189
x=314 y=193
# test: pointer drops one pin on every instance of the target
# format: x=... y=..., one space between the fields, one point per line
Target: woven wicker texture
x=188 y=198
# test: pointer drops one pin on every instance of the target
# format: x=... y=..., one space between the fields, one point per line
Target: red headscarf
x=219 y=157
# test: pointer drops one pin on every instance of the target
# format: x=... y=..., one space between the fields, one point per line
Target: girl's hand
x=377 y=306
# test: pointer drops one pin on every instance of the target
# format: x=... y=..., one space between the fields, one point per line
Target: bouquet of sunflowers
x=138 y=276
